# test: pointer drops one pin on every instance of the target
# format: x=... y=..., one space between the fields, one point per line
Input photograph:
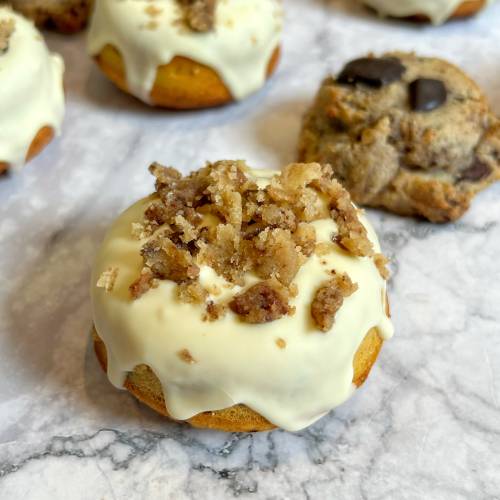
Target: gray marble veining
x=427 y=422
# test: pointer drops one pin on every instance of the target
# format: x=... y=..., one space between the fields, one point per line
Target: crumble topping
x=107 y=279
x=192 y=293
x=186 y=356
x=7 y=27
x=153 y=11
x=261 y=303
x=214 y=311
x=140 y=231
x=143 y=283
x=281 y=343
x=381 y=262
x=199 y=14
x=329 y=299
x=218 y=217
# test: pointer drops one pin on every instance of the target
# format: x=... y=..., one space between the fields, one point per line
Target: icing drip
x=239 y=48
x=438 y=11
x=32 y=93
x=236 y=362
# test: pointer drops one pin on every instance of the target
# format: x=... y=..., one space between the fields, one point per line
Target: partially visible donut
x=437 y=11
x=180 y=84
x=164 y=58
x=42 y=138
x=32 y=95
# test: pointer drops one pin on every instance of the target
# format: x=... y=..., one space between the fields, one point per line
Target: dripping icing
x=239 y=48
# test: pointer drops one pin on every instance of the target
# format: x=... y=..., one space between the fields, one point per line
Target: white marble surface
x=427 y=422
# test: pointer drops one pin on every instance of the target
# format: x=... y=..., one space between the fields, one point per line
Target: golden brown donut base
x=42 y=138
x=146 y=387
x=180 y=84
x=465 y=9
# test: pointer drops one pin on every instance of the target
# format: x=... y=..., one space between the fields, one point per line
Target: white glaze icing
x=31 y=83
x=438 y=11
x=239 y=48
x=237 y=362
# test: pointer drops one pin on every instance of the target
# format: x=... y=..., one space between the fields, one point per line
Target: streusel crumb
x=186 y=356
x=199 y=14
x=218 y=217
x=7 y=27
x=329 y=299
x=381 y=262
x=214 y=311
x=261 y=303
x=107 y=279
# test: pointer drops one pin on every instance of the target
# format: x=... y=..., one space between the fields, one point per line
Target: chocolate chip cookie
x=413 y=135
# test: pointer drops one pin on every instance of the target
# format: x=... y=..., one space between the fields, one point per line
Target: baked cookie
x=435 y=11
x=186 y=54
x=241 y=300
x=31 y=96
x=66 y=16
x=411 y=134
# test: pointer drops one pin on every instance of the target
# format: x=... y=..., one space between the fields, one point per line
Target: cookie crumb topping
x=281 y=343
x=186 y=356
x=329 y=299
x=219 y=217
x=107 y=279
x=381 y=262
x=199 y=14
x=261 y=303
x=7 y=27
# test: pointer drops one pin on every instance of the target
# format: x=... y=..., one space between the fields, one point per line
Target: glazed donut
x=149 y=50
x=241 y=300
x=32 y=97
x=435 y=11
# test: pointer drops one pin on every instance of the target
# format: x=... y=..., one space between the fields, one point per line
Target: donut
x=32 y=97
x=435 y=11
x=65 y=16
x=167 y=54
x=239 y=299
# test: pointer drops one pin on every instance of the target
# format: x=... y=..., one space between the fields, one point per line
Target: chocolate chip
x=372 y=71
x=427 y=94
x=476 y=172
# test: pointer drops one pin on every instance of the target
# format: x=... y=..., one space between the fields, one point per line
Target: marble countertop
x=427 y=422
